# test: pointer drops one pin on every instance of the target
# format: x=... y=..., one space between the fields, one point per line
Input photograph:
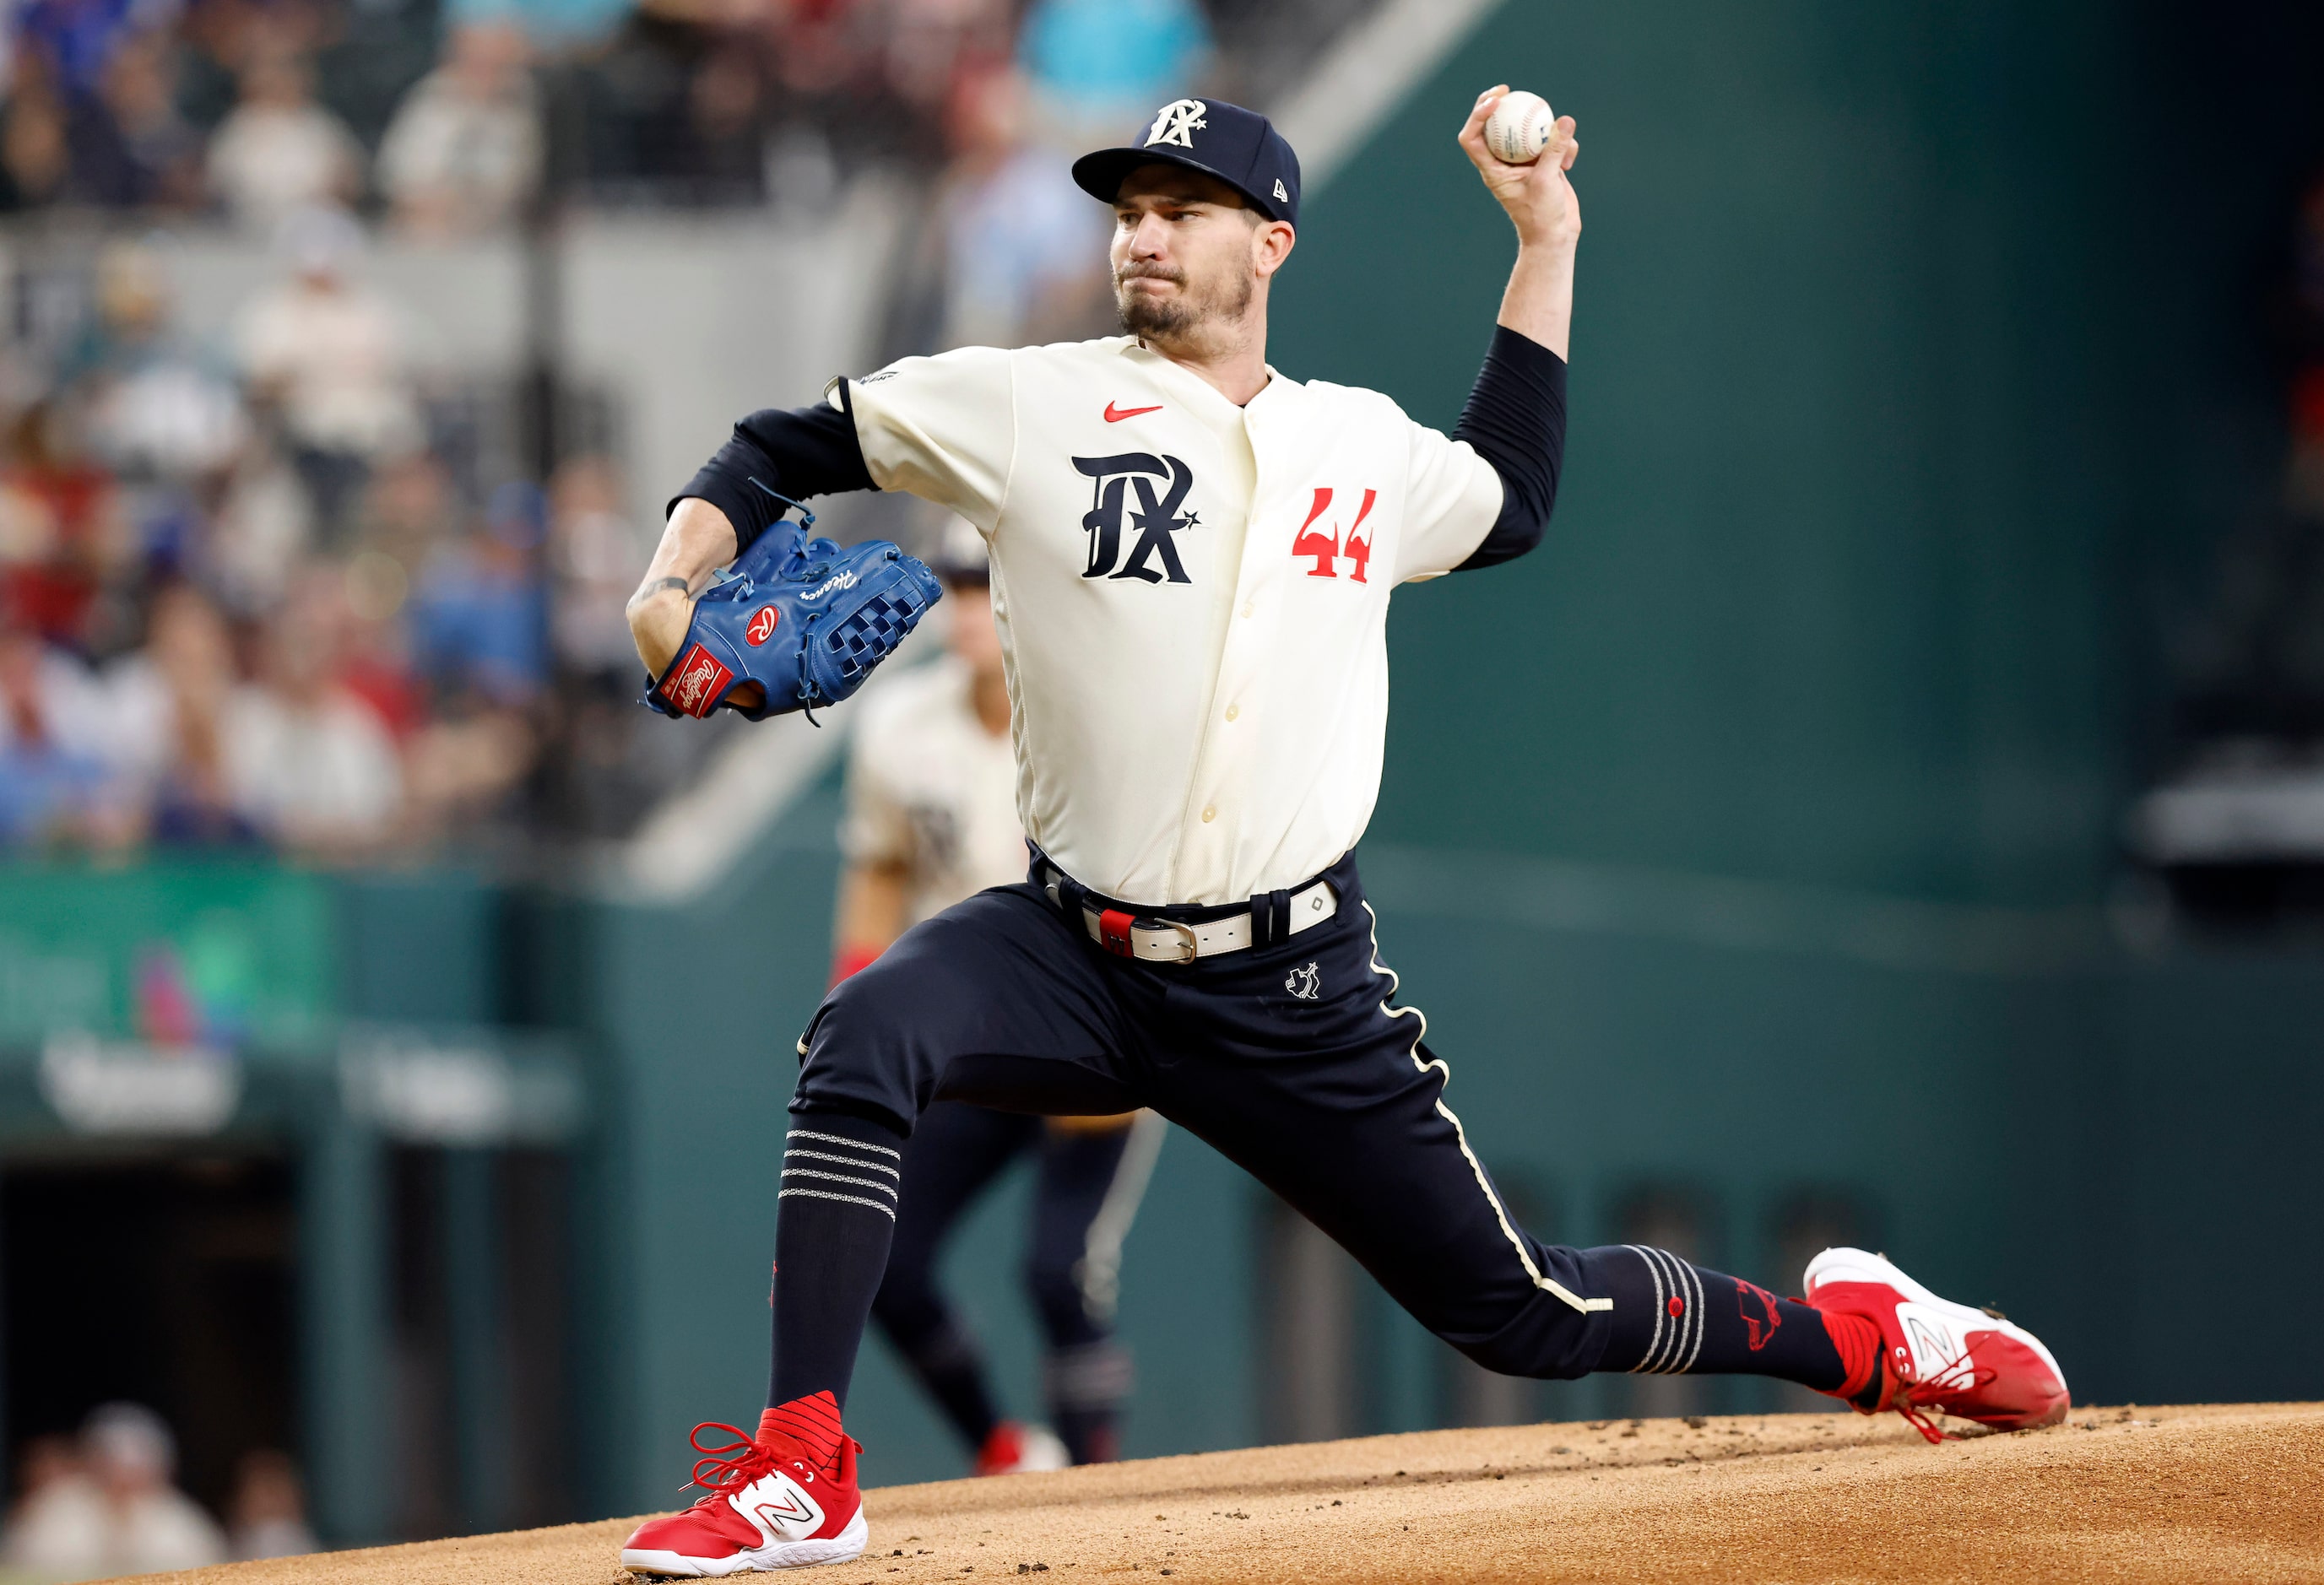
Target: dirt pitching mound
x=2221 y=1493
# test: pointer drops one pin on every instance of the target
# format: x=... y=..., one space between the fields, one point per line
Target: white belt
x=1166 y=940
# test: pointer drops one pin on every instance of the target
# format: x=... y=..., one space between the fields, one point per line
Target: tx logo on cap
x=1178 y=123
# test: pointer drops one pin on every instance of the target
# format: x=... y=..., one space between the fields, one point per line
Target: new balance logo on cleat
x=783 y=1511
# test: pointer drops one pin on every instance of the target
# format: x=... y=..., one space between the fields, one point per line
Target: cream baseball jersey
x=931 y=790
x=1192 y=595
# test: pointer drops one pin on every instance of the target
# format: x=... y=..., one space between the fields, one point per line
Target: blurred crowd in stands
x=106 y=1503
x=265 y=590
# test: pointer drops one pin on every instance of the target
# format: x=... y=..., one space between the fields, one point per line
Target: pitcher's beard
x=1175 y=318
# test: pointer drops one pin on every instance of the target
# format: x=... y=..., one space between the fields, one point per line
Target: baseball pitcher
x=1192 y=558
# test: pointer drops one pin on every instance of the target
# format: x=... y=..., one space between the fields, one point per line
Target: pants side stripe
x=1476 y=1167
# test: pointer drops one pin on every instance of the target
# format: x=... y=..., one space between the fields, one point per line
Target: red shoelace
x=730 y=1466
x=1960 y=1373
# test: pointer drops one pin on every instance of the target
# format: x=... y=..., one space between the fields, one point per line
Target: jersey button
x=1210 y=814
x=1248 y=607
x=1234 y=711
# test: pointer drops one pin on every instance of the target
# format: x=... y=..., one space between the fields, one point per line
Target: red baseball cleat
x=1013 y=1449
x=1936 y=1355
x=778 y=1500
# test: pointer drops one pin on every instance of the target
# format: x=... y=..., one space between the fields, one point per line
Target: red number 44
x=1327 y=548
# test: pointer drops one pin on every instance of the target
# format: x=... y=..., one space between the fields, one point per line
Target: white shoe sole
x=1845 y=1265
x=840 y=1548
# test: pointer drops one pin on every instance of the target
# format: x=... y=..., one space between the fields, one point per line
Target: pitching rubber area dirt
x=2209 y=1493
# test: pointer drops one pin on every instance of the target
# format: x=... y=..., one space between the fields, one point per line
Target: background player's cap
x=1240 y=147
x=960 y=557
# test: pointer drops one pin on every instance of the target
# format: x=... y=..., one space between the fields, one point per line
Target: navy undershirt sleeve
x=1516 y=418
x=800 y=452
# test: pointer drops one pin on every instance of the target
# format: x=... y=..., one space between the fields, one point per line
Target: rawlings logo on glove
x=802 y=618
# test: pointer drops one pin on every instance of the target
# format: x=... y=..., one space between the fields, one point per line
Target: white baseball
x=1517 y=131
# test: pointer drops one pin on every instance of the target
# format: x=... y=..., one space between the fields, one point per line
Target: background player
x=931 y=819
x=1192 y=561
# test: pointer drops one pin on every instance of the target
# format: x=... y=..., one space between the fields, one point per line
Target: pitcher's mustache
x=1149 y=272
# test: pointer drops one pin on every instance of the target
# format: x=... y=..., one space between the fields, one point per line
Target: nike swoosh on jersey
x=1114 y=415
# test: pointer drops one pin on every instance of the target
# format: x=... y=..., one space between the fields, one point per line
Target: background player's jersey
x=931 y=790
x=1192 y=595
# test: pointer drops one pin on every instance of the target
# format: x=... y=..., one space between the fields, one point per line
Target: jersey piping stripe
x=844 y=1199
x=1100 y=1264
x=843 y=1139
x=1444 y=1078
x=843 y=1161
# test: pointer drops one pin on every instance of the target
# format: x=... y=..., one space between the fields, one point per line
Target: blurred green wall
x=1830 y=592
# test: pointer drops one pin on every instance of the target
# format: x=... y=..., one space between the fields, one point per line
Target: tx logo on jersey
x=1328 y=549
x=1305 y=982
x=1178 y=123
x=1159 y=485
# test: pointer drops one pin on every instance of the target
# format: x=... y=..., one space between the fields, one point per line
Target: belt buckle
x=1113 y=934
x=1188 y=943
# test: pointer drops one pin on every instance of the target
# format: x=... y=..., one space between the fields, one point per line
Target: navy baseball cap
x=1240 y=147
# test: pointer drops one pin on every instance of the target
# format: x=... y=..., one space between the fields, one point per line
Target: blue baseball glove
x=802 y=618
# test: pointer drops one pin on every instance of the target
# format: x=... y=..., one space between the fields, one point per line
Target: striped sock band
x=1676 y=1340
x=818 y=1164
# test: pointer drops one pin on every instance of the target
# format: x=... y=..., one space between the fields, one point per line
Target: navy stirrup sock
x=1672 y=1317
x=835 y=1217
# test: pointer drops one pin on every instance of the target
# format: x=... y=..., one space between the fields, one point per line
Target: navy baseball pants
x=1291 y=1059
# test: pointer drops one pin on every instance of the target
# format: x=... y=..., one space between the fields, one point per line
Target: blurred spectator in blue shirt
x=1024 y=247
x=55 y=785
x=478 y=624
x=1099 y=63
x=77 y=37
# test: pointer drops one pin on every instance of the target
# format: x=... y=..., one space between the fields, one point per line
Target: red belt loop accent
x=1114 y=932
